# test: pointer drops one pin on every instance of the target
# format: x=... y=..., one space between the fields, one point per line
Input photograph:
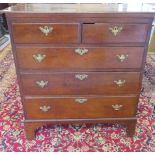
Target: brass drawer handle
x=119 y=82
x=122 y=57
x=81 y=100
x=81 y=51
x=117 y=106
x=39 y=57
x=45 y=108
x=81 y=76
x=42 y=83
x=46 y=30
x=116 y=30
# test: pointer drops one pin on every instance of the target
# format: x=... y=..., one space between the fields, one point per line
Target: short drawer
x=81 y=83
x=80 y=107
x=45 y=33
x=114 y=33
x=85 y=58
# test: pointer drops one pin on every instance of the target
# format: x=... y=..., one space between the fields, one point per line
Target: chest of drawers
x=78 y=63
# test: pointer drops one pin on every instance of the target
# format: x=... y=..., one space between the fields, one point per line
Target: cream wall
x=151 y=48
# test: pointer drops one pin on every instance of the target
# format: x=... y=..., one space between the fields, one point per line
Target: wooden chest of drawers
x=78 y=65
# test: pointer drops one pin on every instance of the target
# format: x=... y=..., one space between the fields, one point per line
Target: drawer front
x=81 y=83
x=45 y=33
x=84 y=58
x=114 y=33
x=62 y=108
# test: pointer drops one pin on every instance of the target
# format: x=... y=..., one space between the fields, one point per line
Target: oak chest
x=79 y=62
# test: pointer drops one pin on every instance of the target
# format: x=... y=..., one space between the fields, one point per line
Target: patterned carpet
x=73 y=137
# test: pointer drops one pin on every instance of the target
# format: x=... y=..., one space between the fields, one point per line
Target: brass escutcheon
x=122 y=57
x=81 y=76
x=42 y=83
x=45 y=108
x=116 y=30
x=81 y=51
x=39 y=57
x=46 y=30
x=119 y=82
x=81 y=100
x=117 y=106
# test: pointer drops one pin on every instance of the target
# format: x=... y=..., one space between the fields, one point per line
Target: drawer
x=84 y=107
x=45 y=33
x=81 y=83
x=85 y=58
x=114 y=33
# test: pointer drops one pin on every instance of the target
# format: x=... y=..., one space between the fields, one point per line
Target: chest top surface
x=82 y=8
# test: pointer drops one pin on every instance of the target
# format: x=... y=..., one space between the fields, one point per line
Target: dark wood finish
x=30 y=33
x=131 y=126
x=98 y=83
x=3 y=5
x=100 y=33
x=81 y=10
x=32 y=127
x=77 y=18
x=95 y=59
x=64 y=108
x=79 y=26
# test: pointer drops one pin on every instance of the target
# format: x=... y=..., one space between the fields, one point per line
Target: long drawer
x=85 y=58
x=114 y=33
x=45 y=32
x=81 y=83
x=75 y=107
